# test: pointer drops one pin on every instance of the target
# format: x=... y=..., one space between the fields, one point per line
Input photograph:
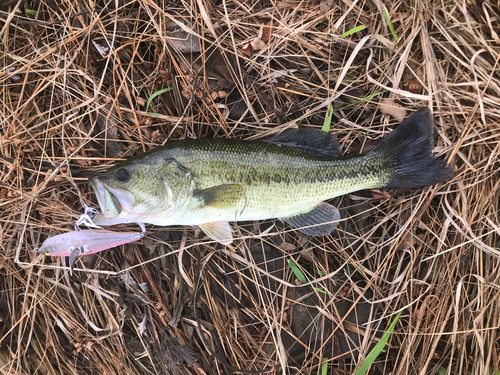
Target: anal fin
x=320 y=221
x=218 y=231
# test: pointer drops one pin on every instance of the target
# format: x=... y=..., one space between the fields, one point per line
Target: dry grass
x=67 y=112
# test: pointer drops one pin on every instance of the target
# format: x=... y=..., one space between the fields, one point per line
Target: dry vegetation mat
x=85 y=84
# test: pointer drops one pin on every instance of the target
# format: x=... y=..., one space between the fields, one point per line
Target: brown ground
x=70 y=107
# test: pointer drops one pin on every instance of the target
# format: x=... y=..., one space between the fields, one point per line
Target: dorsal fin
x=314 y=141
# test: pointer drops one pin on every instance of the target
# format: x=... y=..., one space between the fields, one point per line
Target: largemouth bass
x=210 y=182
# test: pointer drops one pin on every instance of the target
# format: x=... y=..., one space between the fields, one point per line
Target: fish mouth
x=109 y=204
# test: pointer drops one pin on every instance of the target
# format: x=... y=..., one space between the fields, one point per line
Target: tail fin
x=408 y=151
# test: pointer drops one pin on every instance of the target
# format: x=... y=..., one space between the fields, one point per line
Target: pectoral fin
x=320 y=221
x=222 y=196
x=218 y=231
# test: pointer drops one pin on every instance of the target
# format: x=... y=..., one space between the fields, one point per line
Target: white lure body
x=86 y=241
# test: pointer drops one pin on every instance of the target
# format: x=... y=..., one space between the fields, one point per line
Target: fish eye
x=122 y=175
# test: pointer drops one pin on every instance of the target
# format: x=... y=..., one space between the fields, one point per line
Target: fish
x=210 y=182
x=75 y=243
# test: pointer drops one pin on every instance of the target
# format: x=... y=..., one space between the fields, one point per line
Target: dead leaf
x=246 y=49
x=257 y=44
x=365 y=147
x=325 y=6
x=166 y=76
x=157 y=137
x=261 y=31
x=407 y=242
x=303 y=239
x=378 y=194
x=389 y=107
x=181 y=39
x=12 y=194
x=285 y=246
x=267 y=31
x=309 y=255
x=107 y=124
x=413 y=86
x=141 y=101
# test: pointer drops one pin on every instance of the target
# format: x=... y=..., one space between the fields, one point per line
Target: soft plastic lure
x=84 y=242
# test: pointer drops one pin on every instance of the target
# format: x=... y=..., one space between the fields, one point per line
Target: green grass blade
x=319 y=272
x=328 y=120
x=324 y=367
x=365 y=98
x=154 y=95
x=353 y=31
x=300 y=275
x=378 y=348
x=395 y=36
x=296 y=271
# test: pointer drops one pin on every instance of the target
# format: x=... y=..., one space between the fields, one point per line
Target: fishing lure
x=87 y=219
x=85 y=241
